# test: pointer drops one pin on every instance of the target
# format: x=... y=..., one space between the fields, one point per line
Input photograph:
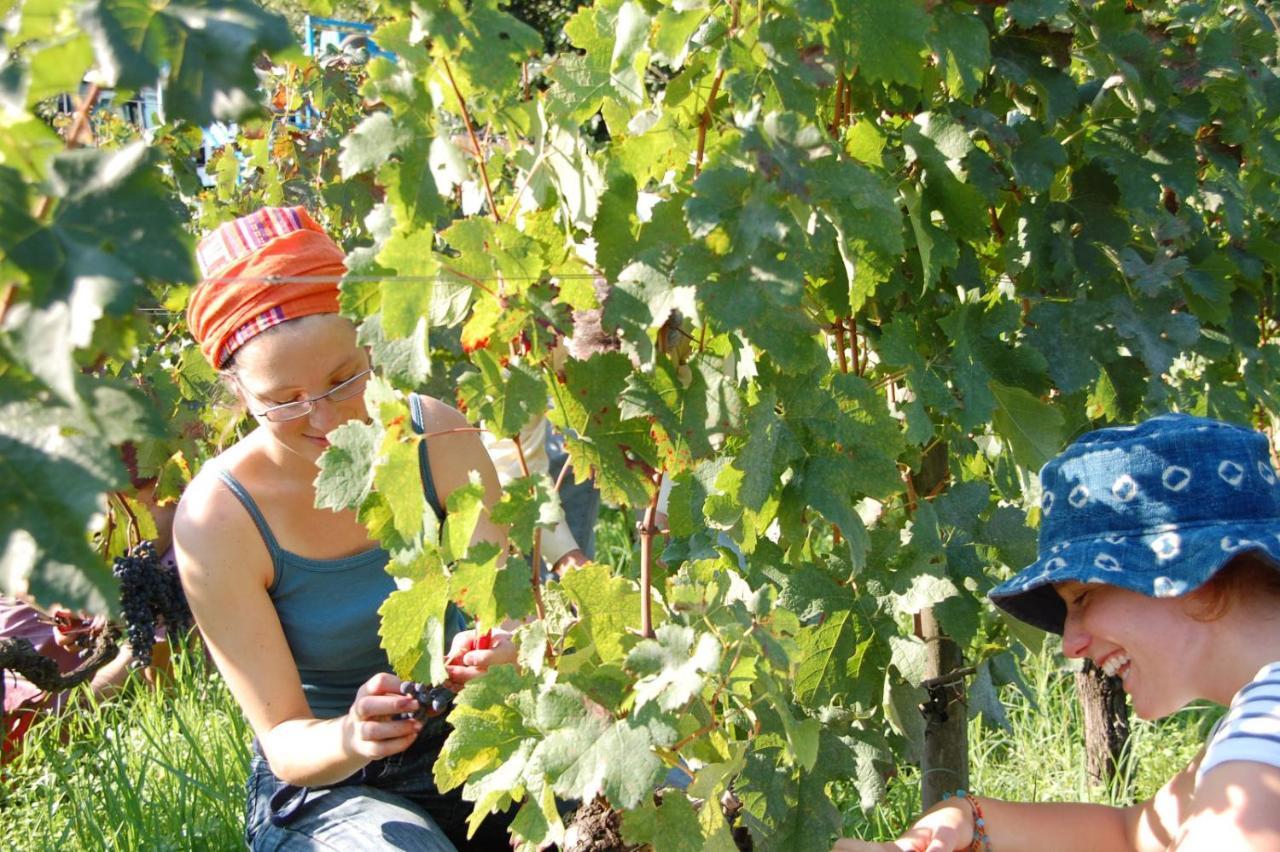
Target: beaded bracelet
x=981 y=840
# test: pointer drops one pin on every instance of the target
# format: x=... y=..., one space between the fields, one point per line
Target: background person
x=286 y=595
x=1158 y=560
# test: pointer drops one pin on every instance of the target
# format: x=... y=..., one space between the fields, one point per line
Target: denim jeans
x=392 y=804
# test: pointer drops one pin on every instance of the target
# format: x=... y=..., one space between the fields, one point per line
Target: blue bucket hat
x=1157 y=508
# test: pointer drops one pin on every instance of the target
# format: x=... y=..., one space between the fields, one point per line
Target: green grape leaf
x=538 y=820
x=936 y=248
x=488 y=49
x=1013 y=536
x=1035 y=430
x=671 y=670
x=489 y=592
x=831 y=657
x=405 y=361
x=463 y=509
x=371 y=144
x=963 y=46
x=53 y=479
x=1028 y=13
x=1036 y=162
x=909 y=656
x=643 y=298
x=504 y=398
x=791 y=810
x=679 y=407
x=488 y=251
x=527 y=503
x=764 y=300
x=811 y=592
x=758 y=462
x=608 y=608
x=869 y=777
x=868 y=223
x=26 y=145
x=829 y=482
x=578 y=180
x=884 y=38
x=399 y=482
x=413 y=626
x=414 y=185
x=983 y=699
x=59 y=66
x=113 y=223
x=346 y=467
x=671 y=826
x=587 y=753
x=488 y=727
x=202 y=56
x=613 y=36
x=586 y=404
x=406 y=301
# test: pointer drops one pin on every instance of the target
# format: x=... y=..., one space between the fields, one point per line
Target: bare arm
x=453 y=456
x=1149 y=826
x=1236 y=807
x=225 y=572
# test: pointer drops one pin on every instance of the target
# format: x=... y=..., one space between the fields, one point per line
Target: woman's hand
x=370 y=728
x=946 y=828
x=473 y=653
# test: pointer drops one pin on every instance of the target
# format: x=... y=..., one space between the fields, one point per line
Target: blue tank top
x=329 y=610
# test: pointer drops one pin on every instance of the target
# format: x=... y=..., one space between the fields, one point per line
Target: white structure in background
x=216 y=136
x=143 y=110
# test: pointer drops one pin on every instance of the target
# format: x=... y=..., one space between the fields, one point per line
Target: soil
x=596 y=827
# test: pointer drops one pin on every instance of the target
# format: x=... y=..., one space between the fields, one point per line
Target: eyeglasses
x=353 y=386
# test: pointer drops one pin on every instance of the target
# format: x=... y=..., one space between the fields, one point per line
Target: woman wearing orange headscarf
x=285 y=594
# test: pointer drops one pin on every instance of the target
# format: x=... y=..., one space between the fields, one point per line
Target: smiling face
x=298 y=360
x=1153 y=644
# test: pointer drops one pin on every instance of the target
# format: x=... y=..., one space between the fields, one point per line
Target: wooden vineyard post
x=1106 y=721
x=944 y=763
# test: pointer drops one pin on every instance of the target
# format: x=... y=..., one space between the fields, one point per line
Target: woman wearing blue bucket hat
x=1159 y=560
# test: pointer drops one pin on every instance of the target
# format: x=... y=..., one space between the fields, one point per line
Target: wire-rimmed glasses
x=302 y=407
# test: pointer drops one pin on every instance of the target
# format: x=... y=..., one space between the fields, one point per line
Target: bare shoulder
x=438 y=415
x=214 y=533
x=455 y=454
x=1236 y=806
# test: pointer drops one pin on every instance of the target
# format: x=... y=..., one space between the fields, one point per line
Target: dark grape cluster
x=149 y=593
x=431 y=699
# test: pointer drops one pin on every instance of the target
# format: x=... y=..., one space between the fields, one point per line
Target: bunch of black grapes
x=150 y=593
x=433 y=699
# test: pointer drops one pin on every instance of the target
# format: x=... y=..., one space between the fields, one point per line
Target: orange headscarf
x=238 y=298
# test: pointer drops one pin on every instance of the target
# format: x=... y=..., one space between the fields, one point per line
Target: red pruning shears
x=483 y=642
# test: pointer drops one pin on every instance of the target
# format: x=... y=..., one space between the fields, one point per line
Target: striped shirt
x=1251 y=729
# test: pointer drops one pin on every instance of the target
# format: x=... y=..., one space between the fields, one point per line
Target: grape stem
x=647 y=531
x=475 y=142
x=535 y=558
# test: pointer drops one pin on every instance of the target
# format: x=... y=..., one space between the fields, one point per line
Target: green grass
x=1041 y=757
x=165 y=769
x=150 y=769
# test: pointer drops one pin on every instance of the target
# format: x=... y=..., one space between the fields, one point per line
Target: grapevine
x=915 y=247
